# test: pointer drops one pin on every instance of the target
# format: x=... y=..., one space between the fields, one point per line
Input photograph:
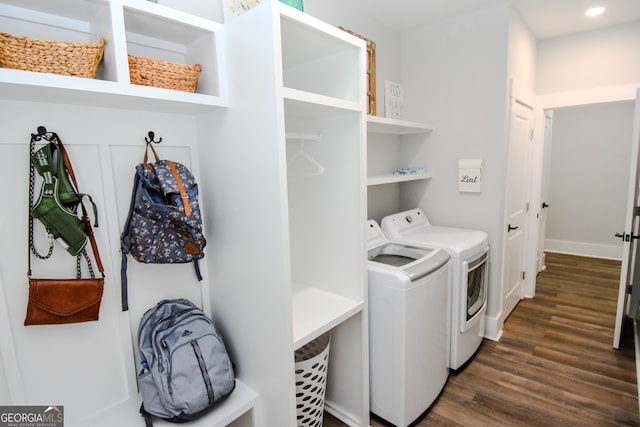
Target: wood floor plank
x=554 y=364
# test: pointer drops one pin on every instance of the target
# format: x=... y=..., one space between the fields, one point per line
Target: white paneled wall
x=56 y=364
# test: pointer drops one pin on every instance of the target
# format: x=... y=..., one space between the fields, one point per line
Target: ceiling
x=545 y=18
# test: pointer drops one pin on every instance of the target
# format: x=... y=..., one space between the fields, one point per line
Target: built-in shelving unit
x=286 y=254
x=395 y=146
x=103 y=122
x=394 y=131
x=296 y=213
x=129 y=27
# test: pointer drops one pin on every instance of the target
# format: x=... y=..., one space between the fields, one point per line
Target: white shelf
x=376 y=124
x=391 y=178
x=242 y=400
x=316 y=311
x=42 y=87
x=128 y=26
x=312 y=105
x=319 y=58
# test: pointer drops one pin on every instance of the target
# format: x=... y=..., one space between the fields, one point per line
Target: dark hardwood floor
x=554 y=365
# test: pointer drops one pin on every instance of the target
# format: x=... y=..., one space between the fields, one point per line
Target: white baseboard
x=493 y=328
x=583 y=249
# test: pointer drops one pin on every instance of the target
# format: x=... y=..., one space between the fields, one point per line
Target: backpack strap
x=146 y=153
x=196 y=266
x=148 y=422
x=124 y=240
x=183 y=193
x=125 y=246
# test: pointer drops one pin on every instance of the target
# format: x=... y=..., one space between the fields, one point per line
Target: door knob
x=627 y=237
x=544 y=205
x=510 y=228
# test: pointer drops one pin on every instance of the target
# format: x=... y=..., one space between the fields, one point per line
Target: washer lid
x=413 y=261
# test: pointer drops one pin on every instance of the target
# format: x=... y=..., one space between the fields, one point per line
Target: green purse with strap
x=57 y=205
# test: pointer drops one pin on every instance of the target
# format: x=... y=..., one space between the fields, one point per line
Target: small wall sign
x=393 y=100
x=470 y=175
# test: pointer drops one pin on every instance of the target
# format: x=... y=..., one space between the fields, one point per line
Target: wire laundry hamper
x=311 y=363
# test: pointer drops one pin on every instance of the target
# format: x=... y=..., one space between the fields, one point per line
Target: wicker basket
x=46 y=56
x=163 y=74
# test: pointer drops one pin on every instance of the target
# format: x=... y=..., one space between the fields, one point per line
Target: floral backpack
x=164 y=224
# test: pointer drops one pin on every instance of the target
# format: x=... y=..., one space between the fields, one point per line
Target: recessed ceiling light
x=594 y=11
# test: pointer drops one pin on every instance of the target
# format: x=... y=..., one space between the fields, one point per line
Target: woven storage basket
x=47 y=56
x=164 y=74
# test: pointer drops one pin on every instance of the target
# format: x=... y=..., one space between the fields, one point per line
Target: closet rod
x=303 y=136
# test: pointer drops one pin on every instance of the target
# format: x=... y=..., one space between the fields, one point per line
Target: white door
x=629 y=261
x=544 y=195
x=518 y=170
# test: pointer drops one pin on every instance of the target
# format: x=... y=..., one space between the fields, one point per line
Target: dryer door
x=475 y=274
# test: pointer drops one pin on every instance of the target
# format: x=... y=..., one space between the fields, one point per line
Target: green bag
x=57 y=205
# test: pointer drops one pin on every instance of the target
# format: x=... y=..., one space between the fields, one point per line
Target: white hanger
x=301 y=163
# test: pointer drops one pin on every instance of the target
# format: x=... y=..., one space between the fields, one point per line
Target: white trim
x=589 y=96
x=493 y=327
x=8 y=354
x=593 y=250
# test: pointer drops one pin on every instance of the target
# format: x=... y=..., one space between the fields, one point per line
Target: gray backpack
x=186 y=370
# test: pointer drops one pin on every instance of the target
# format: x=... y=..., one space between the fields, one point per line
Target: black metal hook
x=152 y=138
x=43 y=134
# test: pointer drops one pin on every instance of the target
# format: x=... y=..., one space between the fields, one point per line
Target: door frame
x=628 y=92
x=535 y=197
x=629 y=268
x=523 y=95
x=544 y=190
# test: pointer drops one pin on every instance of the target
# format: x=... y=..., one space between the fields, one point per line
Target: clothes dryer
x=469 y=251
x=408 y=326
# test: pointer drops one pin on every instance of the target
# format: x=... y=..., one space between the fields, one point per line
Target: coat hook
x=151 y=138
x=43 y=134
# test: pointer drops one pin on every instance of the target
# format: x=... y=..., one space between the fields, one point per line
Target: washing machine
x=408 y=326
x=469 y=251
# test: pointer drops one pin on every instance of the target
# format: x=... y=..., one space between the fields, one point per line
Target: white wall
x=523 y=50
x=593 y=59
x=455 y=73
x=589 y=176
x=345 y=14
x=588 y=68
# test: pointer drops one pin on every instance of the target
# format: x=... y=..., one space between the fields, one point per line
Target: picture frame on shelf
x=393 y=100
x=371 y=71
x=232 y=8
